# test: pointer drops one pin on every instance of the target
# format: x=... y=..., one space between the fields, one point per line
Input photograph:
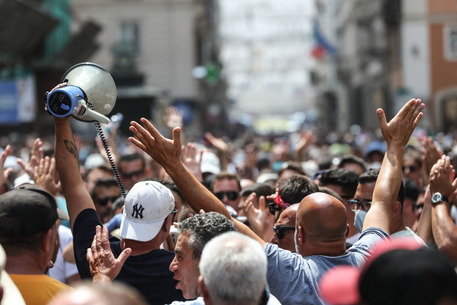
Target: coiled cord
x=108 y=153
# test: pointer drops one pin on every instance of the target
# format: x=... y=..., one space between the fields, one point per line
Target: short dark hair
x=338 y=176
x=19 y=245
x=295 y=166
x=130 y=158
x=351 y=159
x=371 y=175
x=201 y=228
x=415 y=156
x=261 y=189
x=102 y=182
x=295 y=188
x=224 y=175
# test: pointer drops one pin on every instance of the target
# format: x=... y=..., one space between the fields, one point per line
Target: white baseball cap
x=210 y=163
x=147 y=205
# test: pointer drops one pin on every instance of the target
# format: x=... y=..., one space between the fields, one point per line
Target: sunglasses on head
x=231 y=195
x=273 y=207
x=130 y=175
x=104 y=201
x=411 y=168
x=279 y=230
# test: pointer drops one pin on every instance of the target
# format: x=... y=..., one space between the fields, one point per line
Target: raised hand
x=259 y=219
x=442 y=177
x=431 y=154
x=103 y=265
x=192 y=160
x=44 y=174
x=216 y=142
x=36 y=156
x=307 y=138
x=5 y=173
x=399 y=129
x=173 y=117
x=164 y=151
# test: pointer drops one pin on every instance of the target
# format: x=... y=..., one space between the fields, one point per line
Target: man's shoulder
x=34 y=279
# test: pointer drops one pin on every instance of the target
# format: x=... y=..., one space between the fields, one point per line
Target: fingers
x=137 y=143
x=177 y=137
x=105 y=239
x=5 y=154
x=262 y=203
x=59 y=86
x=124 y=255
x=251 y=198
x=382 y=118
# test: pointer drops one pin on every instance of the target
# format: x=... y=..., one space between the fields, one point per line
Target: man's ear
x=47 y=243
x=167 y=224
x=348 y=230
x=397 y=208
x=203 y=291
x=301 y=235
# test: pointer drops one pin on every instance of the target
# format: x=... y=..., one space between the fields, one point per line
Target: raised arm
x=396 y=133
x=444 y=231
x=168 y=154
x=67 y=162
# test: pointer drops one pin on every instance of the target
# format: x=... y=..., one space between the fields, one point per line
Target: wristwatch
x=437 y=198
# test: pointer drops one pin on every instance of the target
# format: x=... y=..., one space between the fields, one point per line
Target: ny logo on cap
x=137 y=211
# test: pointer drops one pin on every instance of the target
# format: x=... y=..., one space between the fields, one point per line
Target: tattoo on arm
x=71 y=147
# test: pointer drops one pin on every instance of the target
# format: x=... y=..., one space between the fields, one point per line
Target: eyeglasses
x=274 y=207
x=279 y=230
x=175 y=211
x=411 y=168
x=231 y=195
x=104 y=201
x=130 y=175
x=354 y=204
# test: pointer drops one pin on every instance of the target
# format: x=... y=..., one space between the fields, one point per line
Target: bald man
x=321 y=226
x=284 y=229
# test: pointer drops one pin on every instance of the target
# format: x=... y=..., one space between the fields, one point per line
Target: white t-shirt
x=63 y=269
x=409 y=233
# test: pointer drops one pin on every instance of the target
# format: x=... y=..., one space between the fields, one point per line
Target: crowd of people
x=230 y=222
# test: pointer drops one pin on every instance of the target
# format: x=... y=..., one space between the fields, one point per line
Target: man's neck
x=25 y=264
x=139 y=247
x=397 y=226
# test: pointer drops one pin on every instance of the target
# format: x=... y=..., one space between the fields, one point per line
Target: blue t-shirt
x=149 y=273
x=294 y=279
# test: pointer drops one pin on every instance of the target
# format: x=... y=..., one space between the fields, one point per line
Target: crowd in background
x=260 y=180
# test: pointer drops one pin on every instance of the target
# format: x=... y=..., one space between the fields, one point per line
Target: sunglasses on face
x=174 y=214
x=279 y=230
x=354 y=204
x=104 y=201
x=273 y=207
x=132 y=174
x=411 y=168
x=231 y=195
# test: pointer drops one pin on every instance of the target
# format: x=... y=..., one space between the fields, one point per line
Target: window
x=129 y=35
x=450 y=43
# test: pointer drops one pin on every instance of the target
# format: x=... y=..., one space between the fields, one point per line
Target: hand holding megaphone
x=87 y=93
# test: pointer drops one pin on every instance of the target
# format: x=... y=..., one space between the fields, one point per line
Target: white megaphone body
x=89 y=96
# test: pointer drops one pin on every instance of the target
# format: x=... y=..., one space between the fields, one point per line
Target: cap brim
x=139 y=231
x=61 y=214
x=339 y=286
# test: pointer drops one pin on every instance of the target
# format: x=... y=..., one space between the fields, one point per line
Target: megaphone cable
x=108 y=153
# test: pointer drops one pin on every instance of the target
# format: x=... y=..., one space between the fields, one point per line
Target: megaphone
x=89 y=96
